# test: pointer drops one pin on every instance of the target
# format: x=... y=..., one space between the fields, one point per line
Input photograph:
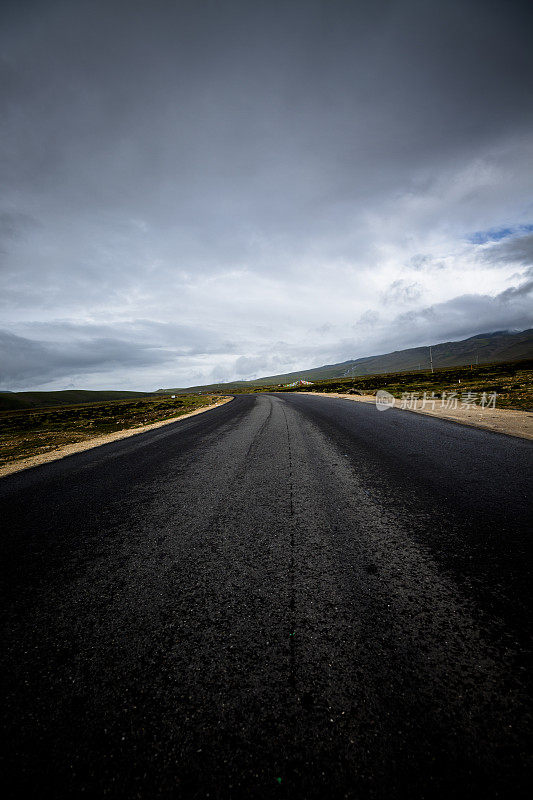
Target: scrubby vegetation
x=29 y=432
x=67 y=397
x=512 y=381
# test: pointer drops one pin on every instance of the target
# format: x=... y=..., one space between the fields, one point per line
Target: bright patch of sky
x=495 y=234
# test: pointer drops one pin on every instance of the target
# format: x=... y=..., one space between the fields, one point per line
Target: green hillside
x=482 y=349
x=485 y=348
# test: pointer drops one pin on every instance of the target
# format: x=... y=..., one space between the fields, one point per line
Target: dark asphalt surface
x=285 y=597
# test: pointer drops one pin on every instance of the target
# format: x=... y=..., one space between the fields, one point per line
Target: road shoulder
x=502 y=420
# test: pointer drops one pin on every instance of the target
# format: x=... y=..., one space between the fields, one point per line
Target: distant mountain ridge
x=483 y=348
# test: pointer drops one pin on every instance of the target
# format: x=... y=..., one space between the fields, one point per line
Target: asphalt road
x=284 y=597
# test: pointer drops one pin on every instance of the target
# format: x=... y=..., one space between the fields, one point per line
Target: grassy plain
x=11 y=401
x=31 y=432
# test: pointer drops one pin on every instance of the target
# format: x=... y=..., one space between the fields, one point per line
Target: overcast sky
x=216 y=189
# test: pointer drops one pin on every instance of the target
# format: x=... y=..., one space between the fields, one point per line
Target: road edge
x=97 y=441
x=498 y=425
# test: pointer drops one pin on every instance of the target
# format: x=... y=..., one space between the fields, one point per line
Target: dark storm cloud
x=200 y=163
x=511 y=251
x=524 y=290
x=144 y=333
x=62 y=349
x=25 y=360
x=13 y=225
x=467 y=314
x=217 y=111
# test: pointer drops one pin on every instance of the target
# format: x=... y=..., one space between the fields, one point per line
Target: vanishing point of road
x=284 y=597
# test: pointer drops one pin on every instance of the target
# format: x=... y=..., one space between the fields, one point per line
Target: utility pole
x=431 y=359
